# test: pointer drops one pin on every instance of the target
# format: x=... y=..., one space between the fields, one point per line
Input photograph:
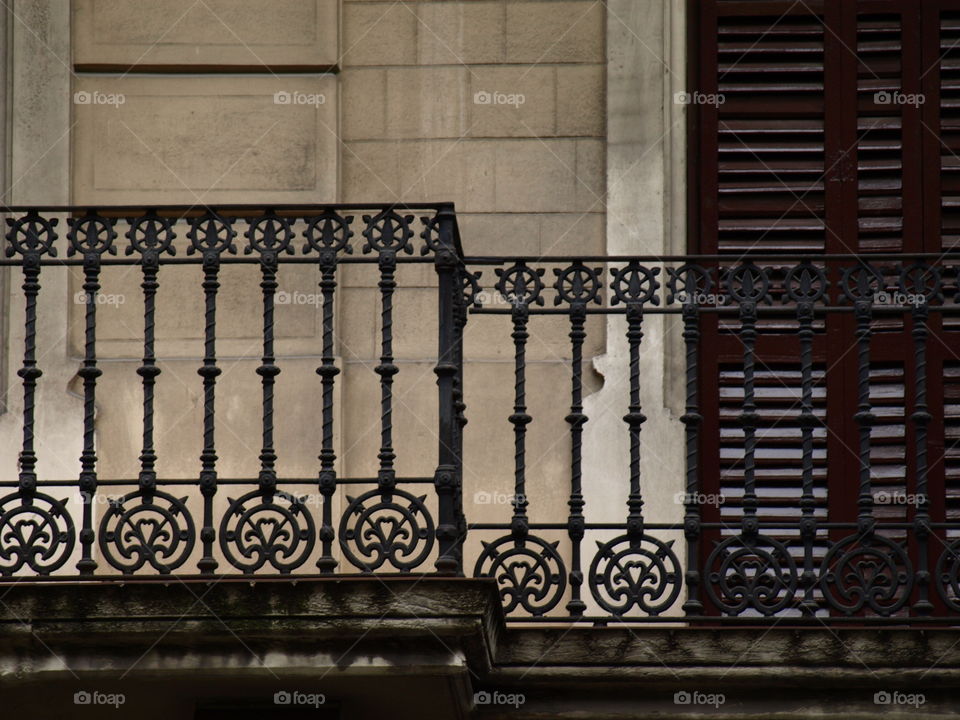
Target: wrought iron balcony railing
x=818 y=481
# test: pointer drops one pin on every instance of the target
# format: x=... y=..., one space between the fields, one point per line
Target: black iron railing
x=803 y=534
x=270 y=527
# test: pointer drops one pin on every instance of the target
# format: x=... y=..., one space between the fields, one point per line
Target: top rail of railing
x=99 y=218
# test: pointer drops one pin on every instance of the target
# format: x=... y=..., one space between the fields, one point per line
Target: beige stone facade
x=548 y=122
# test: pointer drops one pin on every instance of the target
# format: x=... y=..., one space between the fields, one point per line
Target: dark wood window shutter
x=839 y=132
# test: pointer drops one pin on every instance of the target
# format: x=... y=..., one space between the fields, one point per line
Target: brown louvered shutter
x=940 y=120
x=819 y=148
x=759 y=155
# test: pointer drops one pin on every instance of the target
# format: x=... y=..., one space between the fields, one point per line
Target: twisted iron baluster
x=921 y=418
x=863 y=311
x=327 y=371
x=31 y=237
x=576 y=419
x=328 y=233
x=691 y=421
x=386 y=476
x=519 y=528
x=25 y=238
x=268 y=371
x=206 y=238
x=148 y=370
x=634 y=420
x=151 y=236
x=808 y=421
x=89 y=372
x=29 y=371
x=91 y=236
x=748 y=419
x=209 y=372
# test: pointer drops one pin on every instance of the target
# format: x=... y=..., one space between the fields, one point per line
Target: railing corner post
x=449 y=474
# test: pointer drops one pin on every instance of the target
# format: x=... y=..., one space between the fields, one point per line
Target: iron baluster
x=520 y=419
x=210 y=235
x=576 y=285
x=748 y=418
x=806 y=285
x=691 y=421
x=90 y=236
x=576 y=419
x=634 y=420
x=863 y=312
x=808 y=421
x=27 y=510
x=328 y=372
x=916 y=281
x=689 y=284
x=328 y=234
x=447 y=477
x=386 y=369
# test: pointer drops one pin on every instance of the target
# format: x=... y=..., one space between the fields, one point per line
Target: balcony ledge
x=445 y=635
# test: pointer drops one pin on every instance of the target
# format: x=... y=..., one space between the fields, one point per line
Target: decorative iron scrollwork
x=947 y=577
x=431 y=235
x=922 y=282
x=147 y=527
x=805 y=283
x=31 y=236
x=472 y=290
x=635 y=284
x=520 y=285
x=269 y=236
x=36 y=531
x=91 y=235
x=151 y=236
x=211 y=235
x=328 y=232
x=577 y=284
x=529 y=572
x=258 y=529
x=688 y=283
x=392 y=528
x=635 y=572
x=866 y=571
x=861 y=282
x=748 y=283
x=388 y=232
x=751 y=573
